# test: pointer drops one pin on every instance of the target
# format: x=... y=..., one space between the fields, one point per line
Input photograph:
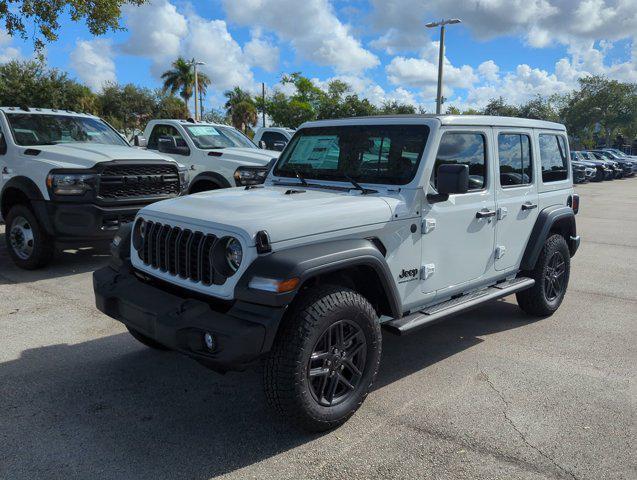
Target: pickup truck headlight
x=250 y=175
x=184 y=177
x=70 y=183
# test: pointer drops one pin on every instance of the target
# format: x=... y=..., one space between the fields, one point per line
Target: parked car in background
x=69 y=178
x=582 y=171
x=273 y=138
x=623 y=168
x=622 y=158
x=218 y=156
x=602 y=169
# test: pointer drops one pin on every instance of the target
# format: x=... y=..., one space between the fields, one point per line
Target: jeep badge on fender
x=303 y=272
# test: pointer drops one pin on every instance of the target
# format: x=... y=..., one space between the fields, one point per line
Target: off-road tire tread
x=532 y=300
x=281 y=373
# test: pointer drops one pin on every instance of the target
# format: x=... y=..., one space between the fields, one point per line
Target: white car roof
x=454 y=120
x=181 y=121
x=45 y=111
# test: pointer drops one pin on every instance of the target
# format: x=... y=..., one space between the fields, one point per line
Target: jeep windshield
x=44 y=129
x=379 y=154
x=208 y=137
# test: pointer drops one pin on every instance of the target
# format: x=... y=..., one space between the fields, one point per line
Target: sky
x=516 y=49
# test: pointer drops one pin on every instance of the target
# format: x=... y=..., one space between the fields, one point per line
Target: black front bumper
x=242 y=331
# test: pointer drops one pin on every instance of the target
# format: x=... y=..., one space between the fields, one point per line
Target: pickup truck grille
x=180 y=252
x=134 y=180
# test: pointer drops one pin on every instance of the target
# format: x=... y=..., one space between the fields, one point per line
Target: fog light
x=209 y=341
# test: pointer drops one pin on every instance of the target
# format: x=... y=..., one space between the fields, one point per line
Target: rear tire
x=29 y=245
x=149 y=342
x=325 y=359
x=551 y=275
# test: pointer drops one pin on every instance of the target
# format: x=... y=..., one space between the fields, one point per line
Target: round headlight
x=139 y=231
x=234 y=253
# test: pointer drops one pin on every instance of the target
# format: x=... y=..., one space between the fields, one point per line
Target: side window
x=3 y=144
x=514 y=156
x=164 y=130
x=270 y=137
x=465 y=149
x=553 y=156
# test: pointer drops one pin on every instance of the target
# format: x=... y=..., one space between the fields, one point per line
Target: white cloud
x=489 y=70
x=7 y=51
x=93 y=62
x=261 y=52
x=311 y=27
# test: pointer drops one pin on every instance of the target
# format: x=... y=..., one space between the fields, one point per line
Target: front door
x=459 y=233
x=517 y=195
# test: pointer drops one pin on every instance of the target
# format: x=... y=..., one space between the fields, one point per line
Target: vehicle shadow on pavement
x=65 y=262
x=110 y=408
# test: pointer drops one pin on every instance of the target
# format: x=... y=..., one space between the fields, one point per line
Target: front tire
x=325 y=359
x=29 y=245
x=551 y=275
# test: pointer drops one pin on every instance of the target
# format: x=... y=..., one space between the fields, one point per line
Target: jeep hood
x=87 y=155
x=283 y=215
x=249 y=156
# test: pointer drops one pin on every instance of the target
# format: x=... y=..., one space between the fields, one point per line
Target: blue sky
x=514 y=48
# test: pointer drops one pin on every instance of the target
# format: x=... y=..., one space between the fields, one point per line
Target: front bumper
x=242 y=331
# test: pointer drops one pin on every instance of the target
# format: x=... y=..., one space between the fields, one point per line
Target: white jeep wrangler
x=219 y=156
x=363 y=223
x=70 y=178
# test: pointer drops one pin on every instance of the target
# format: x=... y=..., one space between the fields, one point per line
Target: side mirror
x=451 y=179
x=263 y=145
x=279 y=146
x=140 y=141
x=168 y=144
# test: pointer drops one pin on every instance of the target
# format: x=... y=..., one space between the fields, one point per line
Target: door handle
x=485 y=213
x=529 y=206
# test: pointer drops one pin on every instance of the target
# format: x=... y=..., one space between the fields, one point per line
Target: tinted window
x=270 y=137
x=514 y=156
x=165 y=130
x=386 y=154
x=553 y=156
x=466 y=149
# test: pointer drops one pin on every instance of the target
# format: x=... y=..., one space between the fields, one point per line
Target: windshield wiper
x=357 y=185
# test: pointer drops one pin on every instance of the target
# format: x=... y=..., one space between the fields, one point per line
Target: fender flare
x=308 y=261
x=29 y=188
x=546 y=220
x=213 y=177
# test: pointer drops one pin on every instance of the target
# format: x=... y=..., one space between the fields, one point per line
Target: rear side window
x=464 y=149
x=553 y=156
x=165 y=130
x=514 y=156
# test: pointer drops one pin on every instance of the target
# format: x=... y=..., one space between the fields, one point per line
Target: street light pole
x=195 y=63
x=441 y=56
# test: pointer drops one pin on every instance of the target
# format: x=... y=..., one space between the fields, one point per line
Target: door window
x=553 y=156
x=464 y=148
x=165 y=130
x=270 y=137
x=514 y=156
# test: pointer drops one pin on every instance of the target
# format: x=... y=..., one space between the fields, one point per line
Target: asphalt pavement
x=489 y=394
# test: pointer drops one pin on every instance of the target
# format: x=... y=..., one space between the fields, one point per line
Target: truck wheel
x=325 y=358
x=149 y=342
x=551 y=274
x=28 y=244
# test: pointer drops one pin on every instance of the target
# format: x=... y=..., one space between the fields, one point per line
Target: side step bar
x=440 y=311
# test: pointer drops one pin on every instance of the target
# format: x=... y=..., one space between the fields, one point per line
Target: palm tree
x=244 y=114
x=181 y=78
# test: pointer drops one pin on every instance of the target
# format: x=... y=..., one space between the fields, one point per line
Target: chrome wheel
x=337 y=363
x=21 y=238
x=554 y=276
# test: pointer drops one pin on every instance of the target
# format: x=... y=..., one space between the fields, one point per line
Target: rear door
x=459 y=233
x=516 y=194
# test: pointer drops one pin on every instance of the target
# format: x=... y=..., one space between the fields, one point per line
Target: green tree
x=394 y=107
x=127 y=107
x=244 y=115
x=181 y=79
x=39 y=19
x=452 y=110
x=215 y=116
x=539 y=108
x=169 y=106
x=32 y=84
x=498 y=107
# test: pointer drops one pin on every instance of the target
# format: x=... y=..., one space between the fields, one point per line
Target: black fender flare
x=213 y=177
x=308 y=261
x=546 y=220
x=36 y=199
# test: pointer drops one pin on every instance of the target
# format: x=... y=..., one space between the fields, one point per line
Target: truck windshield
x=212 y=137
x=382 y=154
x=44 y=129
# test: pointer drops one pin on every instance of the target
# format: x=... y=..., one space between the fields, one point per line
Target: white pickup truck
x=218 y=156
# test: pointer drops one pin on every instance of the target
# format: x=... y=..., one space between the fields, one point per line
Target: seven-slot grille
x=134 y=180
x=180 y=252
